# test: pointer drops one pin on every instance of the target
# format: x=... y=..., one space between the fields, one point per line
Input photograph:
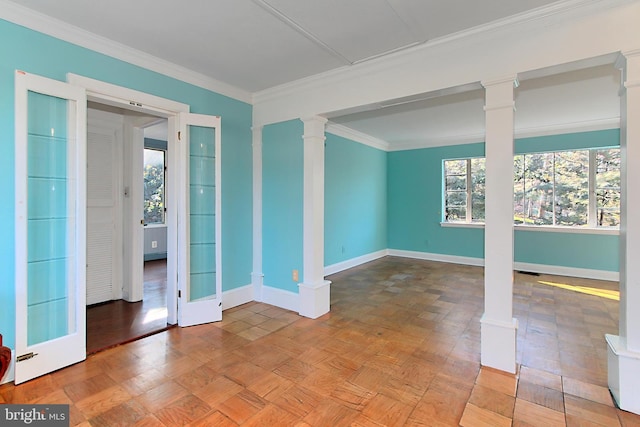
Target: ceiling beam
x=302 y=31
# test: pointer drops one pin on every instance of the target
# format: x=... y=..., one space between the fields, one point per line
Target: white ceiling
x=254 y=45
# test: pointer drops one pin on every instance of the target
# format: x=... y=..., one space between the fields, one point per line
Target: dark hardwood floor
x=118 y=322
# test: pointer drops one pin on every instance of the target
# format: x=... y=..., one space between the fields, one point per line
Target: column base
x=314 y=299
x=624 y=374
x=498 y=344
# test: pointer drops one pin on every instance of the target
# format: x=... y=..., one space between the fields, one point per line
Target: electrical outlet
x=154 y=244
x=294 y=275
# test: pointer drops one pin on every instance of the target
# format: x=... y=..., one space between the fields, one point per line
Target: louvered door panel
x=101 y=144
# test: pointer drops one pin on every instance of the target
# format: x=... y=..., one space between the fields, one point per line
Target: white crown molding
x=61 y=30
x=590 y=126
x=538 y=17
x=436 y=142
x=357 y=136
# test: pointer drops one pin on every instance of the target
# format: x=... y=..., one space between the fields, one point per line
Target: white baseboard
x=354 y=262
x=281 y=298
x=585 y=273
x=557 y=270
x=9 y=376
x=238 y=296
x=453 y=259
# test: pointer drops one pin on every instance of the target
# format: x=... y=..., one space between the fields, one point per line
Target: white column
x=624 y=349
x=498 y=327
x=314 y=290
x=257 y=276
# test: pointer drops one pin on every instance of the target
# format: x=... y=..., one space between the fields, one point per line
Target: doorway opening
x=127 y=151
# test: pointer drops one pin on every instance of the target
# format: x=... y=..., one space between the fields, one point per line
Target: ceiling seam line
x=298 y=28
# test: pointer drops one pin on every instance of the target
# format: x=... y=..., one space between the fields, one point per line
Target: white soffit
x=579 y=100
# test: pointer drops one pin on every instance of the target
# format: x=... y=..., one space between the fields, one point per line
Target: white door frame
x=109 y=94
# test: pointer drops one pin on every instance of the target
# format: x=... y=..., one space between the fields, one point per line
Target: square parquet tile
x=400 y=347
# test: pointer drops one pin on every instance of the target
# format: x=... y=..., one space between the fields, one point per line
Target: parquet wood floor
x=400 y=347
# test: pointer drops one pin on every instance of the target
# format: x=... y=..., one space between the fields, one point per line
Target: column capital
x=510 y=79
x=318 y=119
x=314 y=127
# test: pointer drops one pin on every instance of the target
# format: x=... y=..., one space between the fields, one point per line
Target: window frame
x=592 y=212
x=164 y=189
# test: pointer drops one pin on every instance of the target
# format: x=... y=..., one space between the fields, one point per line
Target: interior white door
x=104 y=139
x=199 y=234
x=50 y=132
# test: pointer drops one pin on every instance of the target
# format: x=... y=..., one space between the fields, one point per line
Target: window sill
x=155 y=226
x=543 y=228
x=462 y=224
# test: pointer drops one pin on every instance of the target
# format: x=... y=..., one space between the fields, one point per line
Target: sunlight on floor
x=604 y=293
x=155 y=314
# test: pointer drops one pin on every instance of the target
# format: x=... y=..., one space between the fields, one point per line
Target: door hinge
x=179 y=293
x=179 y=135
x=26 y=356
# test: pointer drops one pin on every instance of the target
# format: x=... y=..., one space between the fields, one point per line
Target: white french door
x=199 y=231
x=50 y=200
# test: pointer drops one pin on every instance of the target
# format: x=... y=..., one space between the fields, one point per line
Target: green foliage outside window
x=153 y=186
x=549 y=188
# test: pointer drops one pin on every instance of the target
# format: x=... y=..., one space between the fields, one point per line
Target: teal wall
x=415 y=202
x=282 y=204
x=36 y=53
x=355 y=210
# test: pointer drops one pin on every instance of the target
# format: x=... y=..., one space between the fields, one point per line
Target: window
x=564 y=188
x=154 y=161
x=464 y=190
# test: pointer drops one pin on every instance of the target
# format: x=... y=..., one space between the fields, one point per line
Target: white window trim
x=543 y=228
x=590 y=228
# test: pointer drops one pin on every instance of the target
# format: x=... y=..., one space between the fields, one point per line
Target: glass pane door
x=50 y=330
x=50 y=221
x=199 y=277
x=202 y=213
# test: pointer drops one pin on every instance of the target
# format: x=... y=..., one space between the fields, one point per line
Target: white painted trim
x=257 y=277
x=556 y=270
x=559 y=129
x=61 y=30
x=462 y=224
x=588 y=29
x=623 y=373
x=536 y=17
x=281 y=298
x=114 y=95
x=10 y=375
x=436 y=142
x=357 y=136
x=237 y=296
x=517 y=266
x=540 y=228
x=119 y=96
x=354 y=262
x=569 y=230
x=498 y=343
x=453 y=259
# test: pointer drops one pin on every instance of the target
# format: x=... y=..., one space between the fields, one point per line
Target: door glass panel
x=202 y=236
x=50 y=220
